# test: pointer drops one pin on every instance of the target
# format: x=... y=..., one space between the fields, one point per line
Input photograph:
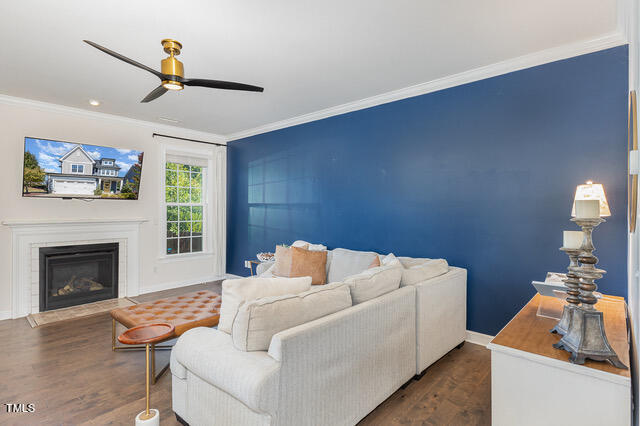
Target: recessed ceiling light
x=94 y=102
x=170 y=120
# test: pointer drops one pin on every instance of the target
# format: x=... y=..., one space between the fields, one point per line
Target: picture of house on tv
x=64 y=169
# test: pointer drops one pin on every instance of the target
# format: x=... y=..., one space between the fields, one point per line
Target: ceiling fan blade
x=218 y=84
x=154 y=94
x=125 y=59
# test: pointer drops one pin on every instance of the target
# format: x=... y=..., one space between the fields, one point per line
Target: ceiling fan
x=172 y=75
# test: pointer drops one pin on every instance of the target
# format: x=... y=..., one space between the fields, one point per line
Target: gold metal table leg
x=147 y=414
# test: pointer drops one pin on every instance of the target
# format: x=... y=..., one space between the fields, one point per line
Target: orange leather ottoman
x=197 y=309
x=190 y=310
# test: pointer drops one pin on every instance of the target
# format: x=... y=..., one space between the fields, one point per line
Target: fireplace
x=74 y=275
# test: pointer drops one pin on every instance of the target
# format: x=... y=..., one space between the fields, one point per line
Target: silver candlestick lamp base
x=573 y=285
x=585 y=337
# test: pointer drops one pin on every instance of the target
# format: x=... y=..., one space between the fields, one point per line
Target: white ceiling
x=308 y=55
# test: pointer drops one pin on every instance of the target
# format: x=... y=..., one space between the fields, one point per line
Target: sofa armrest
x=250 y=377
x=441 y=316
x=356 y=357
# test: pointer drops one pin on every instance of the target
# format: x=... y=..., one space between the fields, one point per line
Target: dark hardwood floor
x=68 y=371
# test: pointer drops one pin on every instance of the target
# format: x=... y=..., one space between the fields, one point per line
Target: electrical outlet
x=247 y=264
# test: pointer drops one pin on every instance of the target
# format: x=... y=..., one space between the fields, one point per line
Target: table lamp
x=582 y=325
x=592 y=191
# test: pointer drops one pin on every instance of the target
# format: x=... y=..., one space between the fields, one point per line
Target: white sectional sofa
x=330 y=371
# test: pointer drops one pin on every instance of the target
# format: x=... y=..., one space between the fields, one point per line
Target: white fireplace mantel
x=16 y=223
x=27 y=236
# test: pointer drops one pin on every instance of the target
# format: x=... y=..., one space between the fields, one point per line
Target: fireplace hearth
x=77 y=274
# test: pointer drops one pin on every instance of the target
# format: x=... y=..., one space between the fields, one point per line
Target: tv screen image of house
x=74 y=170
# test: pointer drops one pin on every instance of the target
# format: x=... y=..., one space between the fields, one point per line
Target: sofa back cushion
x=418 y=270
x=375 y=282
x=345 y=263
x=234 y=292
x=294 y=262
x=258 y=320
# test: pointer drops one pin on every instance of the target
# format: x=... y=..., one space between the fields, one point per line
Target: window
x=185 y=207
x=77 y=168
x=107 y=163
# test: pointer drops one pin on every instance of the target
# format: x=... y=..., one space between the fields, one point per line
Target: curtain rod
x=187 y=139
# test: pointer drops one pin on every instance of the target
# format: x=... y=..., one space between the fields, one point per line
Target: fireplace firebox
x=74 y=275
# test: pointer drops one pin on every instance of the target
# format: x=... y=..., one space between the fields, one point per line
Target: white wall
x=24 y=118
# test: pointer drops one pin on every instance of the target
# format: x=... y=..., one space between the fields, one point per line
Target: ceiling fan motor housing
x=171 y=66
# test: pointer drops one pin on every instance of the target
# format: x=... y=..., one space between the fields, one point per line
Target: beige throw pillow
x=429 y=268
x=234 y=292
x=258 y=320
x=298 y=262
x=375 y=282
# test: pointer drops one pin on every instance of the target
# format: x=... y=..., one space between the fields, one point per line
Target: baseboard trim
x=478 y=338
x=172 y=285
x=5 y=315
x=499 y=68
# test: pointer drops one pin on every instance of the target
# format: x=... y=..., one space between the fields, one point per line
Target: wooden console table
x=533 y=383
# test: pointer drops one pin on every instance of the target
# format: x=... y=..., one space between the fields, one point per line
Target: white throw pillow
x=345 y=263
x=429 y=268
x=389 y=259
x=258 y=320
x=375 y=282
x=234 y=292
x=312 y=247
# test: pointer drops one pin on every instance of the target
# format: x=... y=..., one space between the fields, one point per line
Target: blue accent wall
x=481 y=174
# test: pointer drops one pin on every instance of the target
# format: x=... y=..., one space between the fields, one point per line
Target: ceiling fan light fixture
x=172 y=85
x=172 y=75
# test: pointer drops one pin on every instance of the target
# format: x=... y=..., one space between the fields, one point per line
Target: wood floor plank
x=69 y=372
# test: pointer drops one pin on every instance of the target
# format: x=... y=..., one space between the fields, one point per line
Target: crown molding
x=614 y=39
x=62 y=109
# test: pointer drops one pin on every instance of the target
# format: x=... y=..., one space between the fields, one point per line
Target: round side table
x=147 y=335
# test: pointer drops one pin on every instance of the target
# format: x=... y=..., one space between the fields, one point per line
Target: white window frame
x=207 y=197
x=107 y=163
x=79 y=169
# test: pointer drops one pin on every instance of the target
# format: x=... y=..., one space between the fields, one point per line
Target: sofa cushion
x=250 y=377
x=258 y=320
x=422 y=271
x=299 y=262
x=345 y=263
x=375 y=282
x=234 y=292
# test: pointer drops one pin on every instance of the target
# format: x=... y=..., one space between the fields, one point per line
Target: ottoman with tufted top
x=184 y=312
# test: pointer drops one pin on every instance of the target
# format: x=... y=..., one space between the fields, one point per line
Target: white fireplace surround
x=29 y=235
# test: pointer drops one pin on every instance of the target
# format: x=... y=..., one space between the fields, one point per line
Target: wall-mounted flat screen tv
x=55 y=169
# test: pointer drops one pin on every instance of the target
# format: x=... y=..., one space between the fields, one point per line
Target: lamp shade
x=592 y=191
